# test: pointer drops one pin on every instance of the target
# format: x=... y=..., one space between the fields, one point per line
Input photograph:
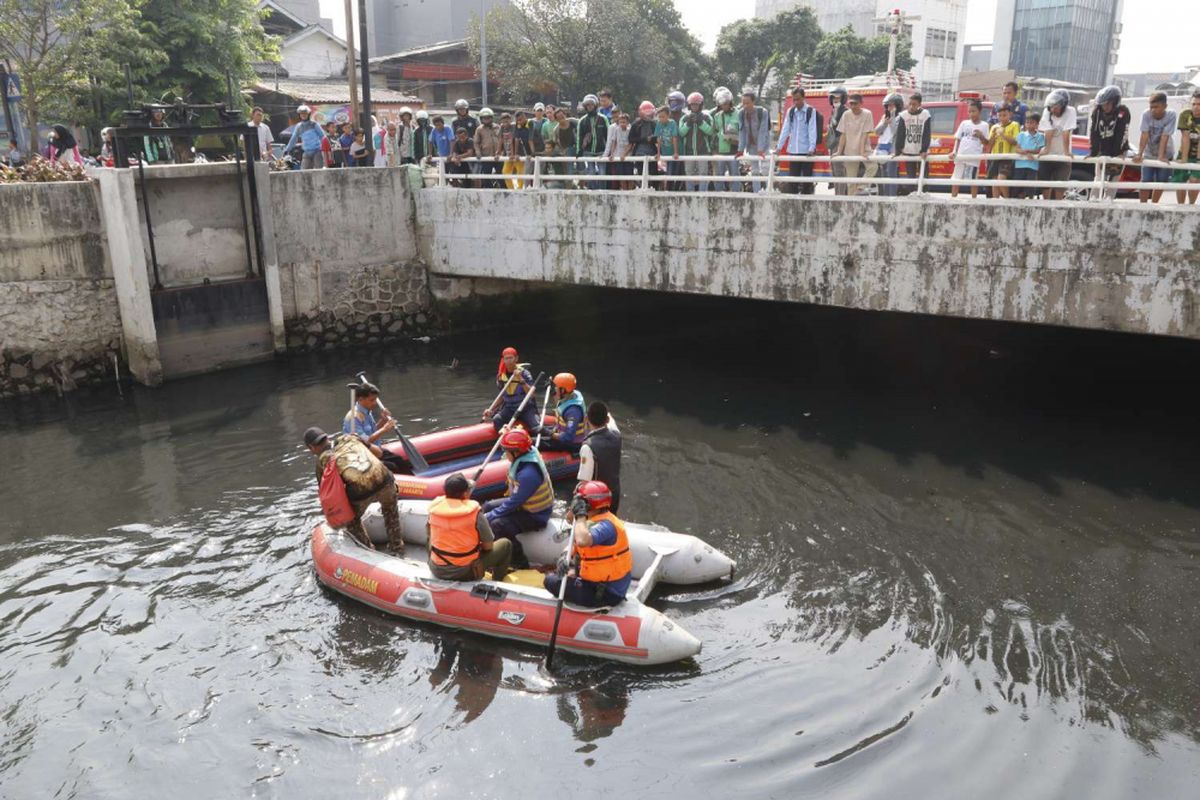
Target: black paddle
x=562 y=594
x=419 y=464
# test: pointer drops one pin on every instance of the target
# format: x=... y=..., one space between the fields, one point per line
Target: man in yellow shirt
x=1003 y=139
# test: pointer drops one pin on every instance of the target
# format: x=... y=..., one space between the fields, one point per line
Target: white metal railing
x=764 y=171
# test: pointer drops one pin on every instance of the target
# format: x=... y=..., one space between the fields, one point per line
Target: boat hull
x=630 y=632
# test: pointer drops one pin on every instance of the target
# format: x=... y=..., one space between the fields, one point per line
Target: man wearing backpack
x=800 y=132
x=364 y=480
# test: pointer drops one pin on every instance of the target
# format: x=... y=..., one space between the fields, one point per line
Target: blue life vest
x=543 y=498
x=575 y=399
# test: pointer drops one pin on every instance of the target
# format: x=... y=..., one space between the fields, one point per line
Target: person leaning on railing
x=1158 y=129
x=1189 y=150
x=754 y=135
x=1058 y=123
x=914 y=131
x=1030 y=143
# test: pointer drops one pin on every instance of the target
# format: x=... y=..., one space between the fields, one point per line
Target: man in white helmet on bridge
x=311 y=138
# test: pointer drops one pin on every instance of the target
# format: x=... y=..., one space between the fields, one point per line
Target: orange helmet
x=517 y=440
x=565 y=381
x=596 y=494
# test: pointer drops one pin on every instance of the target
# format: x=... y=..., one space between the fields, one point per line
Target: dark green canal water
x=968 y=567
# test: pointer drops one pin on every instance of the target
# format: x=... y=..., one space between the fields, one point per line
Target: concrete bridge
x=83 y=295
x=1119 y=267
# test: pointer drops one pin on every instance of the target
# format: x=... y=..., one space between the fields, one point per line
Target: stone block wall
x=59 y=323
x=346 y=246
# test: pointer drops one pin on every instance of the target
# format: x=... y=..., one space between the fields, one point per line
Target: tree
x=637 y=48
x=203 y=41
x=841 y=54
x=752 y=53
x=64 y=51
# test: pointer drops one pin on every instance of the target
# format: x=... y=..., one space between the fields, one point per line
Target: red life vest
x=334 y=502
x=606 y=562
x=453 y=539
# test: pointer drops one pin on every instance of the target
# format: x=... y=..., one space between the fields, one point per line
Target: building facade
x=935 y=27
x=399 y=25
x=1065 y=40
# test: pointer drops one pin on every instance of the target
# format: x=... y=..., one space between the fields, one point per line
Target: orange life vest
x=606 y=562
x=453 y=539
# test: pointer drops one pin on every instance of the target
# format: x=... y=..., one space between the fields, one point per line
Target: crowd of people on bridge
x=606 y=147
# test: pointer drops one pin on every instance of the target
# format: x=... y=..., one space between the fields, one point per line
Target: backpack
x=808 y=116
x=334 y=501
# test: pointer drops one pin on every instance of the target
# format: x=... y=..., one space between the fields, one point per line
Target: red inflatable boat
x=462 y=450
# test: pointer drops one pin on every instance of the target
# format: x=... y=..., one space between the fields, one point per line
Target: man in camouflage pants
x=367 y=481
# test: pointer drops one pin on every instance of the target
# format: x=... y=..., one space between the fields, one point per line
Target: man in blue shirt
x=514 y=382
x=441 y=138
x=311 y=138
x=801 y=132
x=363 y=421
x=1015 y=106
x=529 y=499
x=605 y=565
x=567 y=433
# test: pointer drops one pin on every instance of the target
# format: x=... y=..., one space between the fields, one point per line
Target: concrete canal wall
x=1108 y=267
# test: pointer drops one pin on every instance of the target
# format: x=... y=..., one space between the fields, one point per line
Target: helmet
x=695 y=97
x=646 y=108
x=565 y=381
x=303 y=109
x=675 y=100
x=722 y=96
x=894 y=99
x=1109 y=94
x=1058 y=97
x=422 y=114
x=509 y=351
x=539 y=106
x=591 y=98
x=405 y=110
x=518 y=441
x=485 y=112
x=460 y=103
x=839 y=92
x=596 y=493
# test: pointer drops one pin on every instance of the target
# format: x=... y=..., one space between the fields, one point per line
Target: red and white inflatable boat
x=630 y=632
x=462 y=450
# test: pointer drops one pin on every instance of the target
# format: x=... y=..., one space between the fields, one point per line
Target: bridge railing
x=771 y=172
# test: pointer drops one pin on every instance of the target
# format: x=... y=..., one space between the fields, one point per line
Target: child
x=462 y=148
x=1003 y=137
x=1029 y=143
x=617 y=148
x=666 y=133
x=358 y=150
x=972 y=135
x=441 y=138
x=508 y=151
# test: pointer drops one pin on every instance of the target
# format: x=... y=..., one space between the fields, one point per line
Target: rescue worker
x=367 y=481
x=601 y=549
x=371 y=421
x=461 y=543
x=515 y=382
x=529 y=499
x=568 y=431
x=600 y=453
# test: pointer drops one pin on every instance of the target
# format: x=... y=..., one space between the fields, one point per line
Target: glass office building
x=1066 y=40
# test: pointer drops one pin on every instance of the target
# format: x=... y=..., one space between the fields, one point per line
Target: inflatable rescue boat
x=463 y=450
x=519 y=608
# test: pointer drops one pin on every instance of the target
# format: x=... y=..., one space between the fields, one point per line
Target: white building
x=935 y=27
x=307 y=46
x=395 y=25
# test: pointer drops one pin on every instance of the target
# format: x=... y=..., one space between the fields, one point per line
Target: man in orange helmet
x=567 y=433
x=529 y=499
x=602 y=550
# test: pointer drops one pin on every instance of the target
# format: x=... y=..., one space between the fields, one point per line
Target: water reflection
x=472 y=673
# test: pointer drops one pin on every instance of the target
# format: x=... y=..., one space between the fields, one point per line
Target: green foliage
x=755 y=53
x=637 y=48
x=67 y=53
x=841 y=54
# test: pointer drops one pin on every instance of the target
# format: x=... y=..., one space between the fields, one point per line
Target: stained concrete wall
x=1113 y=267
x=59 y=324
x=346 y=249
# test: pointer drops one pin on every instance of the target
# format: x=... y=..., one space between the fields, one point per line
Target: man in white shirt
x=264 y=134
x=600 y=453
x=854 y=129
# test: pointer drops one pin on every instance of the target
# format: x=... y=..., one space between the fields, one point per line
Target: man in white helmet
x=463 y=119
x=311 y=137
x=726 y=129
x=421 y=147
x=487 y=148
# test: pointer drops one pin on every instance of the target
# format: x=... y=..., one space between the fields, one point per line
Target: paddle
x=562 y=595
x=516 y=371
x=506 y=427
x=419 y=464
x=542 y=419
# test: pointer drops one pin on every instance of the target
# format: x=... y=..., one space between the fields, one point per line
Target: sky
x=1149 y=43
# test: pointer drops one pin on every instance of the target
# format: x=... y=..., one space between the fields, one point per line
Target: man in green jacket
x=695 y=133
x=727 y=131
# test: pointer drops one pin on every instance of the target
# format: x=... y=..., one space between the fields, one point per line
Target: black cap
x=315 y=435
x=457 y=485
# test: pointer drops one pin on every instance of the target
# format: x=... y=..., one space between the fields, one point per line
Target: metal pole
x=8 y=120
x=351 y=64
x=483 y=49
x=364 y=61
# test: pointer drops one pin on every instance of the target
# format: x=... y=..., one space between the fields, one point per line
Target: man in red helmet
x=529 y=498
x=567 y=433
x=515 y=382
x=602 y=551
